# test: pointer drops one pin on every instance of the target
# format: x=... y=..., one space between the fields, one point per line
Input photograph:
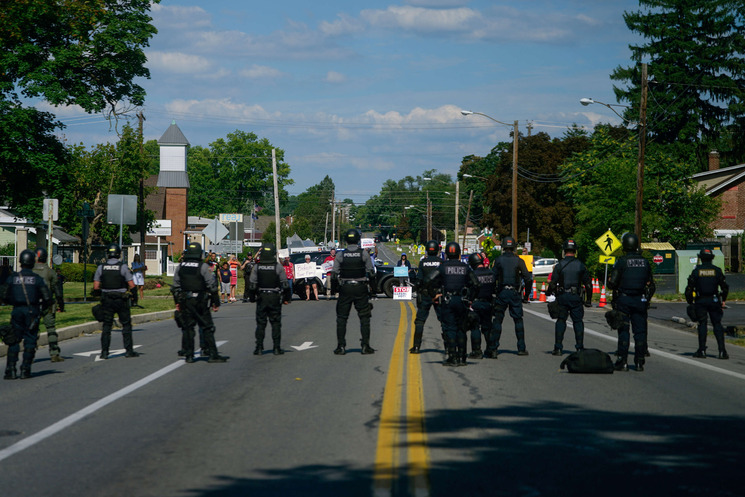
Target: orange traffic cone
x=602 y=298
x=595 y=286
x=543 y=293
x=535 y=291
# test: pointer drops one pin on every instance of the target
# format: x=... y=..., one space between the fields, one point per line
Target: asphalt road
x=310 y=423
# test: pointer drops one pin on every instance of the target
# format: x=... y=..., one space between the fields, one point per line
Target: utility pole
x=514 y=182
x=465 y=228
x=429 y=218
x=143 y=229
x=457 y=208
x=276 y=200
x=642 y=146
x=333 y=215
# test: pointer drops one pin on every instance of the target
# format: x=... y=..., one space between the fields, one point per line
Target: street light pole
x=514 y=165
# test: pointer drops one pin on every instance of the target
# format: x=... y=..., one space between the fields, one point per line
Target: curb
x=92 y=327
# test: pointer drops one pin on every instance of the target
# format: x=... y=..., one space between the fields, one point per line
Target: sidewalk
x=92 y=327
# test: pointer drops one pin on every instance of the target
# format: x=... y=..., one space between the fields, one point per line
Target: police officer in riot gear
x=354 y=269
x=571 y=283
x=512 y=277
x=428 y=270
x=114 y=280
x=482 y=305
x=50 y=279
x=458 y=284
x=195 y=291
x=711 y=289
x=29 y=296
x=633 y=285
x=268 y=287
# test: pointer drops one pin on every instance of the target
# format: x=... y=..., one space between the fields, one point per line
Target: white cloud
x=261 y=72
x=179 y=17
x=335 y=77
x=437 y=3
x=422 y=19
x=177 y=62
x=344 y=25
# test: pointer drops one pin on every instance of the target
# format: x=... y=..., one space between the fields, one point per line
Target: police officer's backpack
x=8 y=335
x=588 y=361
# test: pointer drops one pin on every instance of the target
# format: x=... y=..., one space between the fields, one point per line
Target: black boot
x=639 y=361
x=366 y=349
x=621 y=364
x=451 y=359
x=476 y=354
x=278 y=350
x=217 y=358
x=25 y=372
x=259 y=349
x=700 y=353
x=723 y=354
x=415 y=349
x=340 y=350
x=10 y=372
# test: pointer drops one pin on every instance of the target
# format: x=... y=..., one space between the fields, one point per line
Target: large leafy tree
x=601 y=181
x=233 y=174
x=67 y=52
x=313 y=208
x=696 y=55
x=541 y=207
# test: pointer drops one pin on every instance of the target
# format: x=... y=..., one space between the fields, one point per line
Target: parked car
x=544 y=267
x=384 y=279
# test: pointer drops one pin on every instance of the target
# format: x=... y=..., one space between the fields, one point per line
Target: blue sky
x=370 y=91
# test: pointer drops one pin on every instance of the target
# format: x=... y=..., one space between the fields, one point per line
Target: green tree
x=601 y=181
x=77 y=52
x=541 y=207
x=313 y=206
x=696 y=55
x=233 y=174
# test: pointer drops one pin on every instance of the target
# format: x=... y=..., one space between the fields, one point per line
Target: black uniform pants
x=25 y=322
x=116 y=303
x=358 y=295
x=570 y=305
x=706 y=307
x=508 y=298
x=453 y=313
x=196 y=311
x=268 y=308
x=484 y=311
x=424 y=304
x=634 y=319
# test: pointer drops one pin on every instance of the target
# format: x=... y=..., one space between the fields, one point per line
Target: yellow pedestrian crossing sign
x=608 y=243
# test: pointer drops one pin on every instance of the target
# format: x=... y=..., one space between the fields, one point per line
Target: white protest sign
x=306 y=270
x=401 y=293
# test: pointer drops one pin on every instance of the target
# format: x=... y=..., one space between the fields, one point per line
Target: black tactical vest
x=428 y=267
x=191 y=277
x=454 y=275
x=487 y=280
x=267 y=276
x=30 y=281
x=509 y=270
x=352 y=266
x=570 y=275
x=707 y=280
x=635 y=273
x=111 y=277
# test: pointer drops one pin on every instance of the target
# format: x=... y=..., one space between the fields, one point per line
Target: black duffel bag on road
x=8 y=335
x=589 y=361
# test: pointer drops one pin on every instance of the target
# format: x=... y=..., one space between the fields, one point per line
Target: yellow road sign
x=608 y=243
x=606 y=259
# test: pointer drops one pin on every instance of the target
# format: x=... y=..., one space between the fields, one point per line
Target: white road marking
x=657 y=352
x=75 y=417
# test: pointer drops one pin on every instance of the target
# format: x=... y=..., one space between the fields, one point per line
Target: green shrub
x=74 y=272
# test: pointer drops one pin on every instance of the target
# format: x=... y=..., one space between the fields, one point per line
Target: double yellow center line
x=402 y=456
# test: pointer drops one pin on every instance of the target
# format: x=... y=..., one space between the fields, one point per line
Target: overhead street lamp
x=642 y=147
x=514 y=166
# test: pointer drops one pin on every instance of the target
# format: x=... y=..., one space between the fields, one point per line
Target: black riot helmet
x=268 y=252
x=193 y=251
x=113 y=251
x=630 y=242
x=570 y=245
x=433 y=247
x=452 y=250
x=475 y=260
x=27 y=259
x=352 y=237
x=41 y=254
x=706 y=255
x=508 y=243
